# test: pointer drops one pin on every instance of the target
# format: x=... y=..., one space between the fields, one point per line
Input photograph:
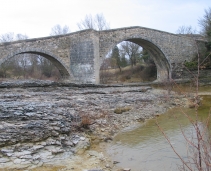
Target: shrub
x=191 y=65
x=85 y=121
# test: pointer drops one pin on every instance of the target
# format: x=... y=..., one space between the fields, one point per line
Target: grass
x=128 y=74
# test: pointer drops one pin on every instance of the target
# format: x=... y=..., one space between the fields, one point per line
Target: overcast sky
x=35 y=18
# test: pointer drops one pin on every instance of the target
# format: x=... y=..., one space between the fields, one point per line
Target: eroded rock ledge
x=46 y=124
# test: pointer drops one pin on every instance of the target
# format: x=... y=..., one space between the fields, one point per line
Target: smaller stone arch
x=64 y=71
x=159 y=57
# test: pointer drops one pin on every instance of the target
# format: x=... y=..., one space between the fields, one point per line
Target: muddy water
x=145 y=148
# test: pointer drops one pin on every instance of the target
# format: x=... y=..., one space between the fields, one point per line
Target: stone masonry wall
x=165 y=48
x=80 y=54
x=174 y=47
x=83 y=51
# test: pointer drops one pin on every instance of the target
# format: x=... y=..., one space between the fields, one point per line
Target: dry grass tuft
x=120 y=110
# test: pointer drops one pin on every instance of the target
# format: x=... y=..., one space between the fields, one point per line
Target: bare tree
x=199 y=145
x=101 y=22
x=13 y=65
x=28 y=65
x=59 y=30
x=21 y=37
x=98 y=22
x=132 y=51
x=186 y=30
x=87 y=23
x=7 y=37
x=205 y=23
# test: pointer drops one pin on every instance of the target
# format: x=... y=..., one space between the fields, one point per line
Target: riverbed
x=56 y=126
x=42 y=129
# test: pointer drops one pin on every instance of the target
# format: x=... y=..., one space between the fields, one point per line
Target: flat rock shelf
x=42 y=125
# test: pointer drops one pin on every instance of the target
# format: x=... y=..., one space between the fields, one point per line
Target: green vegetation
x=191 y=65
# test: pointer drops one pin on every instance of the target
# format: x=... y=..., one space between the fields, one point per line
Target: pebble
x=115 y=162
x=82 y=138
x=93 y=153
x=17 y=161
x=75 y=142
x=107 y=166
x=126 y=169
x=4 y=160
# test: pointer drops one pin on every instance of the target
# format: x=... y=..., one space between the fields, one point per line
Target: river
x=145 y=148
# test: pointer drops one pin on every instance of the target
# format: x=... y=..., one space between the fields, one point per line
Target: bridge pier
x=84 y=58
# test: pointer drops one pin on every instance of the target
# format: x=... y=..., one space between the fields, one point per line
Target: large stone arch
x=80 y=54
x=64 y=71
x=159 y=57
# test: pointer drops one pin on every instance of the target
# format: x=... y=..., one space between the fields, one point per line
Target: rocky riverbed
x=58 y=126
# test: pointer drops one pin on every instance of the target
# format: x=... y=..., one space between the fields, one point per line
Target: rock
x=26 y=157
x=4 y=160
x=40 y=164
x=96 y=141
x=18 y=113
x=9 y=154
x=82 y=138
x=37 y=147
x=82 y=146
x=36 y=157
x=43 y=143
x=75 y=142
x=5 y=151
x=126 y=169
x=35 y=162
x=57 y=150
x=93 y=153
x=54 y=133
x=107 y=166
x=45 y=155
x=42 y=123
x=140 y=119
x=107 y=139
x=68 y=143
x=25 y=162
x=30 y=114
x=115 y=162
x=21 y=154
x=17 y=161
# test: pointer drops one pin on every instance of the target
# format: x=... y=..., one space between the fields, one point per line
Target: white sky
x=35 y=18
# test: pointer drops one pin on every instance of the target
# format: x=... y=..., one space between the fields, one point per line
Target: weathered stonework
x=79 y=55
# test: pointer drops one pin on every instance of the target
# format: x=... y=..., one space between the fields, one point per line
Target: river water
x=145 y=148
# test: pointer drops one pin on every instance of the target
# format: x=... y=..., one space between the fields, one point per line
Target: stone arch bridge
x=79 y=55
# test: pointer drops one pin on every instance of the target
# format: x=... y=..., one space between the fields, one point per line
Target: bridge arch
x=64 y=71
x=160 y=58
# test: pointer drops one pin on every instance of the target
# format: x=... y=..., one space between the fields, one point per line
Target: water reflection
x=145 y=148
